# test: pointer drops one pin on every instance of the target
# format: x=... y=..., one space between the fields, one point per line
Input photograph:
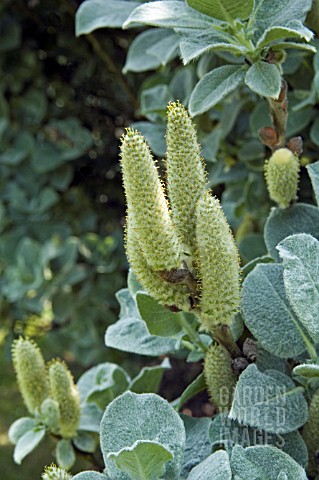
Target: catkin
x=218 y=265
x=219 y=376
x=147 y=205
x=31 y=373
x=65 y=393
x=282 y=176
x=186 y=176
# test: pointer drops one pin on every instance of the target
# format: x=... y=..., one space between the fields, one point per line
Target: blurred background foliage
x=64 y=103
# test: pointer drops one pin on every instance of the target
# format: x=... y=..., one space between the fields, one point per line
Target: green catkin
x=310 y=434
x=147 y=205
x=163 y=292
x=219 y=376
x=282 y=176
x=53 y=472
x=218 y=265
x=186 y=176
x=65 y=393
x=31 y=373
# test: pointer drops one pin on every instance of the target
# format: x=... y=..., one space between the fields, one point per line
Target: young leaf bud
x=31 y=373
x=219 y=376
x=165 y=293
x=218 y=265
x=310 y=435
x=186 y=177
x=65 y=393
x=282 y=176
x=147 y=205
x=55 y=473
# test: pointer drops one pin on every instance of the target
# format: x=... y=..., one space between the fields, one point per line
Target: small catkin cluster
x=53 y=472
x=48 y=391
x=282 y=176
x=219 y=376
x=310 y=435
x=180 y=248
x=65 y=393
x=31 y=373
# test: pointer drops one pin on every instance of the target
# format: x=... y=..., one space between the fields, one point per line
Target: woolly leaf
x=148 y=417
x=214 y=86
x=149 y=378
x=300 y=218
x=267 y=312
x=65 y=454
x=300 y=256
x=264 y=462
x=159 y=320
x=264 y=78
x=225 y=10
x=193 y=47
x=168 y=14
x=227 y=432
x=20 y=427
x=273 y=403
x=218 y=463
x=307 y=370
x=131 y=335
x=27 y=443
x=198 y=445
x=292 y=29
x=145 y=460
x=94 y=14
x=142 y=55
x=102 y=383
x=313 y=171
x=277 y=13
x=154 y=134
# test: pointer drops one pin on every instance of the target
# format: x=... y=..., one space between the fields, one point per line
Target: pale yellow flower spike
x=218 y=265
x=282 y=176
x=31 y=373
x=65 y=393
x=186 y=176
x=147 y=205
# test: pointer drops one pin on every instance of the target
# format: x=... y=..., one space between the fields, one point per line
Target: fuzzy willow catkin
x=310 y=434
x=186 y=177
x=65 y=393
x=31 y=373
x=219 y=376
x=53 y=472
x=147 y=205
x=165 y=293
x=282 y=176
x=218 y=265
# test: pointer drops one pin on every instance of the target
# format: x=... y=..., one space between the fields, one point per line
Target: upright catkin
x=219 y=376
x=65 y=393
x=31 y=373
x=282 y=176
x=310 y=434
x=218 y=265
x=165 y=293
x=186 y=176
x=147 y=205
